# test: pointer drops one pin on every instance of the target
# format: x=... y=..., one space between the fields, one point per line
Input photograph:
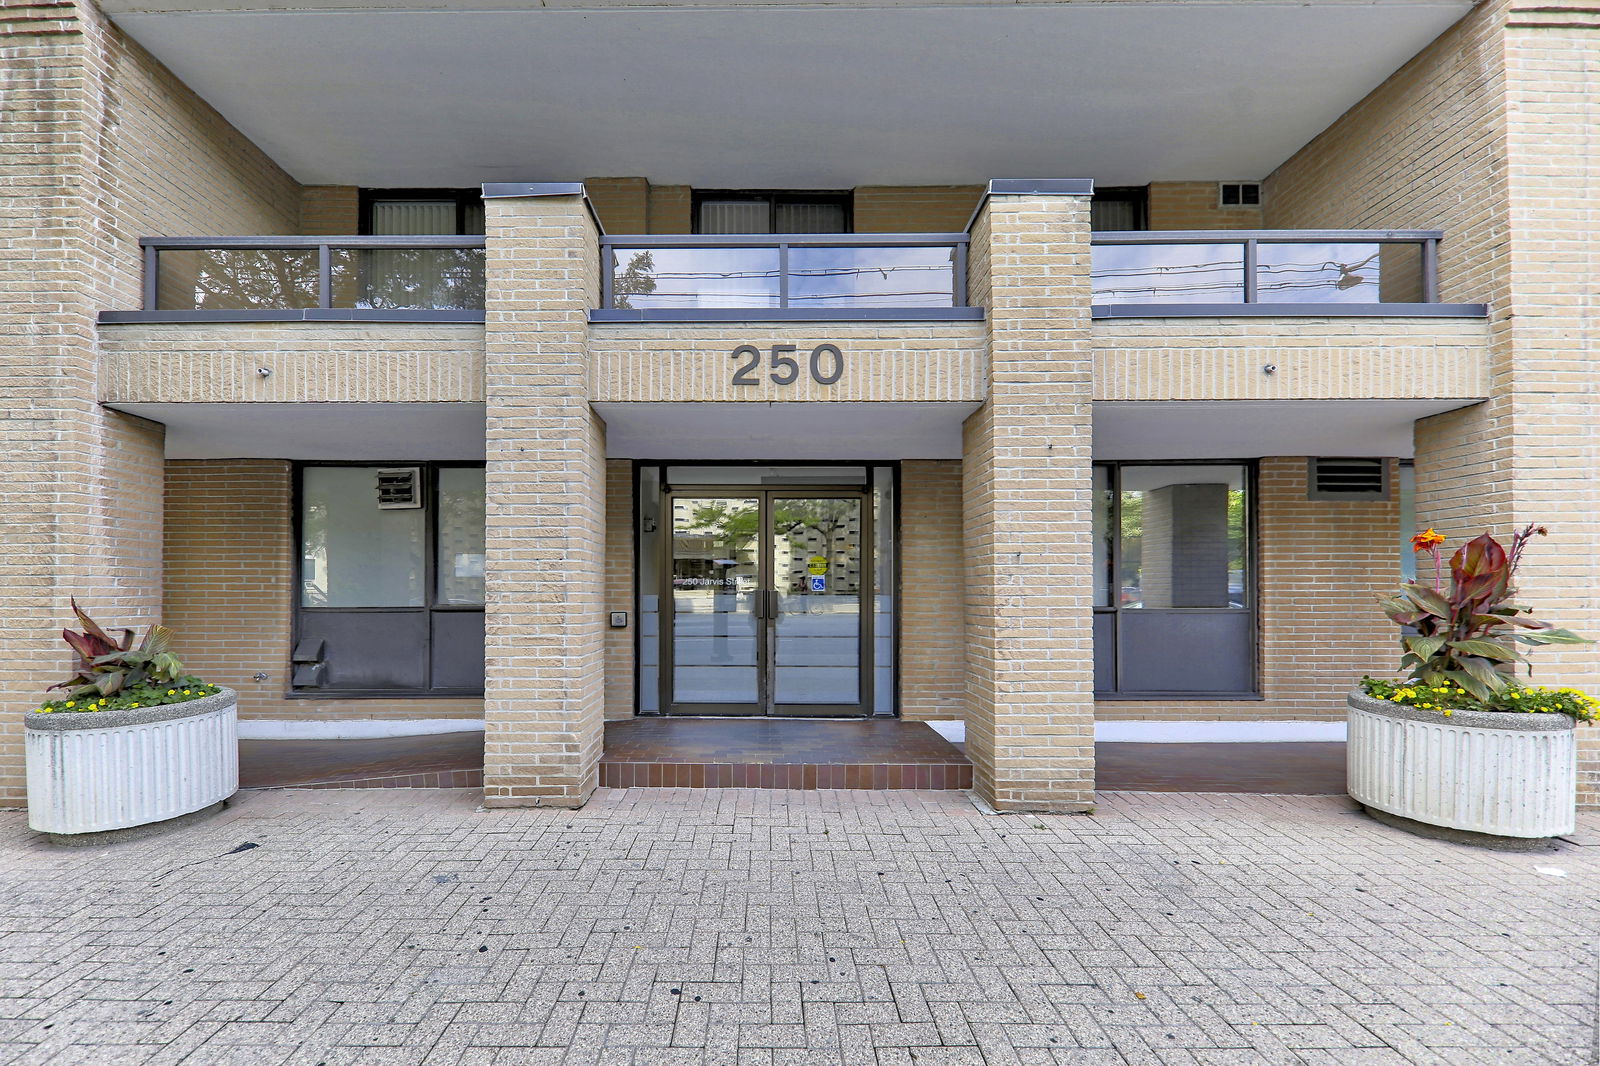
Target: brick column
x=544 y=687
x=1532 y=452
x=1027 y=495
x=80 y=487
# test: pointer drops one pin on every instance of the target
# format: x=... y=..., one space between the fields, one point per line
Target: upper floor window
x=1120 y=208
x=772 y=212
x=421 y=212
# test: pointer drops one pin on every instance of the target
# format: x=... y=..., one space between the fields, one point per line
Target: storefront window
x=1174 y=603
x=461 y=536
x=355 y=553
x=391 y=580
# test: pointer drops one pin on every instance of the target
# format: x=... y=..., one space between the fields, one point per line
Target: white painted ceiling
x=1251 y=429
x=381 y=432
x=782 y=95
x=1232 y=429
x=822 y=431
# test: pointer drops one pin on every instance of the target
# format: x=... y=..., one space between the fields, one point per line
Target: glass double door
x=767 y=602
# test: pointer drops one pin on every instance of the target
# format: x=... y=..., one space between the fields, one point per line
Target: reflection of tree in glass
x=287 y=278
x=249 y=278
x=635 y=279
x=432 y=279
x=732 y=525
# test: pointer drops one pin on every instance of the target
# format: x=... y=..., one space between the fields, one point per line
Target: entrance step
x=790 y=753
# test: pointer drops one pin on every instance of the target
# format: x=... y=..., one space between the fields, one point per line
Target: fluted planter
x=1501 y=775
x=112 y=770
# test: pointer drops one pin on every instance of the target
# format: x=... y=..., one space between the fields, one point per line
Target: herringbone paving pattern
x=762 y=927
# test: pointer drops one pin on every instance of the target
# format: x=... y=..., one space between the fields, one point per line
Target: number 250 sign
x=826 y=364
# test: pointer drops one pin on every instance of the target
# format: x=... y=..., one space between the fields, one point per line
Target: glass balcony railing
x=284 y=276
x=796 y=273
x=1285 y=268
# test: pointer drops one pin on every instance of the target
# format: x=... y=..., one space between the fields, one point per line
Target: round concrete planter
x=111 y=770
x=1501 y=775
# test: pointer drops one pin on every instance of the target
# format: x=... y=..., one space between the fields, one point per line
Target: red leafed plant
x=1468 y=631
x=106 y=666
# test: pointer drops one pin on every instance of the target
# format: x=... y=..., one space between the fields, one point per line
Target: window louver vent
x=1349 y=479
x=399 y=488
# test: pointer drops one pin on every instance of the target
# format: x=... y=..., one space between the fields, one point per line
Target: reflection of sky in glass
x=871 y=277
x=1317 y=273
x=696 y=277
x=819 y=276
x=1168 y=273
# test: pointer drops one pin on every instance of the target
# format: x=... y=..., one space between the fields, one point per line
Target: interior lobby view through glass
x=766 y=590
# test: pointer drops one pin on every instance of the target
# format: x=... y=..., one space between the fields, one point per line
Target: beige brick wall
x=1195 y=205
x=229 y=591
x=620 y=588
x=889 y=361
x=914 y=208
x=671 y=209
x=99 y=145
x=1553 y=174
x=311 y=362
x=1026 y=497
x=330 y=210
x=1488 y=135
x=933 y=658
x=1320 y=563
x=623 y=204
x=1317 y=359
x=545 y=656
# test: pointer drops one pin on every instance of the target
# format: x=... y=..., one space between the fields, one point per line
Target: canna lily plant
x=1470 y=633
x=106 y=666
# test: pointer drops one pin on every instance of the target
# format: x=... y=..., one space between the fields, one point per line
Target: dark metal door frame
x=765 y=603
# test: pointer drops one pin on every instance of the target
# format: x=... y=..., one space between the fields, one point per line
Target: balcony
x=310 y=279
x=1270 y=273
x=793 y=277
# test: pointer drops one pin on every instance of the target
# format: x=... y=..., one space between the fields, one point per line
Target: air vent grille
x=1349 y=479
x=399 y=488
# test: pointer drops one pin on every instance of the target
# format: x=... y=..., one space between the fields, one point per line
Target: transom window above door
x=772 y=212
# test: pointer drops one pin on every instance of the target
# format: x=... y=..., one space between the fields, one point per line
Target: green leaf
x=1424 y=647
x=1553 y=636
x=1429 y=600
x=1475 y=688
x=1483 y=671
x=1486 y=649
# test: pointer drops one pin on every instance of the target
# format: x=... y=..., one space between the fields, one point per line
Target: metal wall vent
x=401 y=487
x=1348 y=479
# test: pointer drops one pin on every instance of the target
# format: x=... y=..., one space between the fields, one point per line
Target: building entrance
x=767 y=601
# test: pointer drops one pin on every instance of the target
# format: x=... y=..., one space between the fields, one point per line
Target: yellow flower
x=72 y=703
x=1448 y=713
x=133 y=705
x=46 y=710
x=186 y=692
x=172 y=692
x=1516 y=695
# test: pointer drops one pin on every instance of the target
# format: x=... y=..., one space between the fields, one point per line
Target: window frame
x=773 y=197
x=461 y=197
x=430 y=591
x=1251 y=576
x=1138 y=195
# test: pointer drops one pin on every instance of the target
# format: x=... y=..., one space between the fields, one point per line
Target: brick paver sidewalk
x=405 y=927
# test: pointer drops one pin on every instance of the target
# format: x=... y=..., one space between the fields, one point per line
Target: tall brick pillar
x=1532 y=452
x=544 y=686
x=80 y=486
x=1026 y=501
